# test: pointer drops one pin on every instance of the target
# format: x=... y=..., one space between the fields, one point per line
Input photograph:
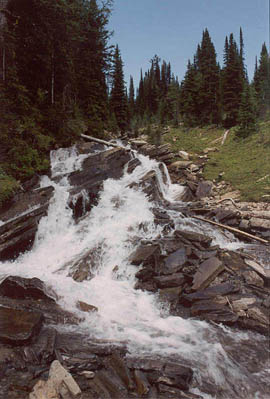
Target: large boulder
x=17 y=234
x=94 y=171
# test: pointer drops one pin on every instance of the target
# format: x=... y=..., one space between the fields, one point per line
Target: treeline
x=209 y=93
x=59 y=79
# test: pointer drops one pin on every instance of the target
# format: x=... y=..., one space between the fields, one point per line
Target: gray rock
x=170 y=281
x=204 y=189
x=207 y=272
x=175 y=261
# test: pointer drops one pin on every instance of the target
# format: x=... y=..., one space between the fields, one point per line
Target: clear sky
x=172 y=29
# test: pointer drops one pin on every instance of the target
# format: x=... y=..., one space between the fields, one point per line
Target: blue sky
x=172 y=29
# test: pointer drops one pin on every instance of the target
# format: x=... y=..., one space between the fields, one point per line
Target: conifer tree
x=261 y=82
x=118 y=98
x=232 y=84
x=247 y=115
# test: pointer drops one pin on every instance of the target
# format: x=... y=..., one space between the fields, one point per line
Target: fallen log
x=233 y=229
x=90 y=138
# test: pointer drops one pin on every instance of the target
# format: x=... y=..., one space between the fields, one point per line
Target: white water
x=125 y=315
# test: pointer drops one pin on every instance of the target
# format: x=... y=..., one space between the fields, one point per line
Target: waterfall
x=135 y=318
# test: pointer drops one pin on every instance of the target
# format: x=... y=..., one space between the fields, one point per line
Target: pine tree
x=261 y=82
x=131 y=97
x=118 y=93
x=232 y=84
x=247 y=115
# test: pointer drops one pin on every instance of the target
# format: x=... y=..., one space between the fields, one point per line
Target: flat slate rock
x=18 y=327
x=175 y=261
x=212 y=292
x=207 y=272
x=173 y=280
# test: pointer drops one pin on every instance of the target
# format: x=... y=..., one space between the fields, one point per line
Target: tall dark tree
x=233 y=83
x=118 y=99
x=247 y=115
x=261 y=82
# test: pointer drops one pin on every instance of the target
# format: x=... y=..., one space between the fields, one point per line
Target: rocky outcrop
x=87 y=182
x=18 y=232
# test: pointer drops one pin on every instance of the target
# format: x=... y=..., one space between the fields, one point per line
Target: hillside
x=242 y=163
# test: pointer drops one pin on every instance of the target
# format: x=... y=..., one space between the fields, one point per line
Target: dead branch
x=233 y=229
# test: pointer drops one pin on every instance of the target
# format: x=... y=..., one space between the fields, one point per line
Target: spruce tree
x=118 y=99
x=247 y=115
x=232 y=84
x=261 y=82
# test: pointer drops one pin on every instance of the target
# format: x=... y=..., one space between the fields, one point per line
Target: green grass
x=192 y=140
x=244 y=162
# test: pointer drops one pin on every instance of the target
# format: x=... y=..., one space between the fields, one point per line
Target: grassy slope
x=243 y=162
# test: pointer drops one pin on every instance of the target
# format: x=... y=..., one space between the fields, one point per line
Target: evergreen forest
x=61 y=77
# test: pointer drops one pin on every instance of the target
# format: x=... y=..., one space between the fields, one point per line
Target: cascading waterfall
x=125 y=315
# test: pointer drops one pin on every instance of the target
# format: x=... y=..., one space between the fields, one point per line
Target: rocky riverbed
x=194 y=278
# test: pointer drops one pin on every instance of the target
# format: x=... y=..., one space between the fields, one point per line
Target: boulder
x=19 y=327
x=204 y=189
x=95 y=169
x=23 y=288
x=207 y=272
x=18 y=233
x=60 y=384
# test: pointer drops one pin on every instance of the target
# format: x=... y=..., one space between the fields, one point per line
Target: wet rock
x=95 y=169
x=132 y=164
x=142 y=383
x=175 y=261
x=44 y=348
x=203 y=240
x=207 y=272
x=257 y=319
x=22 y=288
x=84 y=266
x=204 y=189
x=18 y=234
x=145 y=274
x=111 y=384
x=177 y=375
x=18 y=327
x=142 y=254
x=173 y=392
x=120 y=368
x=172 y=280
x=85 y=307
x=170 y=294
x=214 y=311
